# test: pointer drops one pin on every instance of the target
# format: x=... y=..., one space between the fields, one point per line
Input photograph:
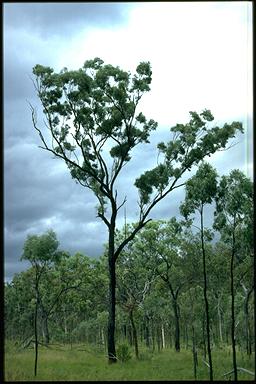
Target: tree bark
x=134 y=335
x=219 y=319
x=35 y=326
x=45 y=327
x=147 y=331
x=112 y=285
x=153 y=339
x=177 y=324
x=158 y=335
x=195 y=361
x=111 y=307
x=233 y=304
x=130 y=335
x=247 y=330
x=186 y=335
x=163 y=336
x=204 y=343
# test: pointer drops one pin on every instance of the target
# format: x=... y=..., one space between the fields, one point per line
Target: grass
x=62 y=363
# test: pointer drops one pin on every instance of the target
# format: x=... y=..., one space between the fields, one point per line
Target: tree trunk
x=130 y=335
x=233 y=305
x=204 y=343
x=147 y=332
x=158 y=338
x=219 y=319
x=247 y=330
x=206 y=300
x=35 y=327
x=195 y=360
x=177 y=324
x=124 y=331
x=112 y=287
x=170 y=338
x=45 y=328
x=153 y=336
x=134 y=335
x=111 y=319
x=186 y=335
x=163 y=336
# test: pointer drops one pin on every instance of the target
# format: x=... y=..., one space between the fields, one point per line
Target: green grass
x=61 y=363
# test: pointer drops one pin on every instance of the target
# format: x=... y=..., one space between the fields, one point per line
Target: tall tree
x=201 y=190
x=234 y=212
x=93 y=127
x=41 y=251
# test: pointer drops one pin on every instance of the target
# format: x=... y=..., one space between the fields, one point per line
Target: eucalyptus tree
x=234 y=212
x=200 y=191
x=93 y=125
x=41 y=251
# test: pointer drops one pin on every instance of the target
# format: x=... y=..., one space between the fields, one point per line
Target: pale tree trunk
x=158 y=335
x=220 y=321
x=163 y=336
x=45 y=328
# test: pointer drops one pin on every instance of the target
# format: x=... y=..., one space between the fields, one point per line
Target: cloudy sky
x=201 y=57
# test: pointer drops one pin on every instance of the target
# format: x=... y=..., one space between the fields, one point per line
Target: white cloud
x=200 y=55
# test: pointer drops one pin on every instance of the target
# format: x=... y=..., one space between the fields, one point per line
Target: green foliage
x=234 y=205
x=191 y=143
x=123 y=352
x=200 y=190
x=41 y=249
x=99 y=101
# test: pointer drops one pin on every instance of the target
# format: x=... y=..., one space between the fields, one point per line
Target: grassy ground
x=62 y=363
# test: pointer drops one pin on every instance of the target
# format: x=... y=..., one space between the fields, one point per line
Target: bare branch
x=124 y=201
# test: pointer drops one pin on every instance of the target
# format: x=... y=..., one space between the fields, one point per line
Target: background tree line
x=179 y=284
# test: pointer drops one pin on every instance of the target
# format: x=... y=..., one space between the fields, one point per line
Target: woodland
x=171 y=294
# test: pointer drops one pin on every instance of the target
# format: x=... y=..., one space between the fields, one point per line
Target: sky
x=201 y=57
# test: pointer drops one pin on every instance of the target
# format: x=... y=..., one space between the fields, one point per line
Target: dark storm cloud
x=62 y=18
x=45 y=199
x=38 y=190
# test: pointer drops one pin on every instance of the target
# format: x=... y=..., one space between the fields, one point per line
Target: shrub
x=123 y=352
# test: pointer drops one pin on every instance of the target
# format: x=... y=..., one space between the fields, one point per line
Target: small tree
x=93 y=126
x=159 y=243
x=234 y=211
x=41 y=251
x=200 y=190
x=134 y=281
